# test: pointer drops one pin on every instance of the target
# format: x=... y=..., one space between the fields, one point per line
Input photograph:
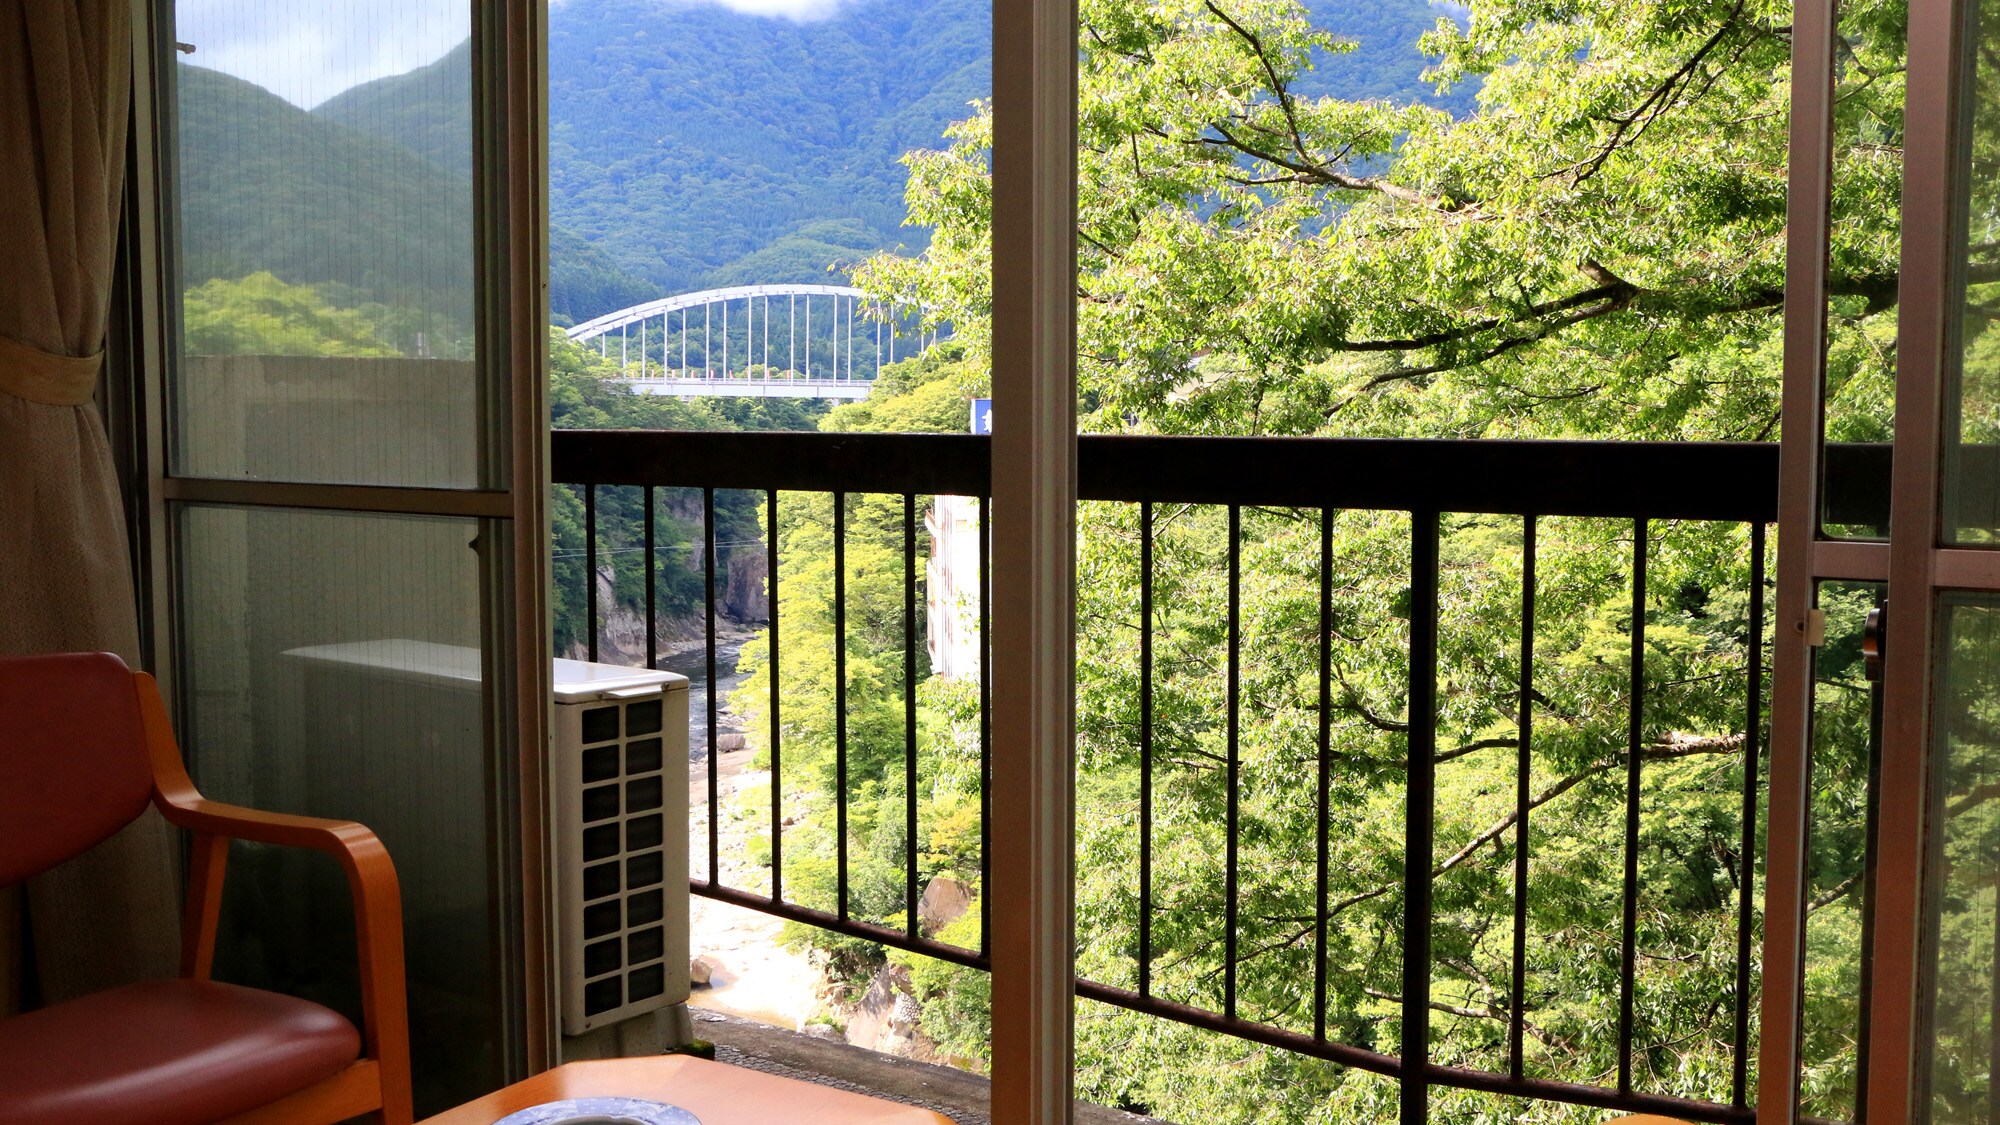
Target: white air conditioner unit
x=619 y=796
x=618 y=817
x=390 y=732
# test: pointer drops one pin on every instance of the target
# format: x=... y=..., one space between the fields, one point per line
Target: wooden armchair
x=84 y=744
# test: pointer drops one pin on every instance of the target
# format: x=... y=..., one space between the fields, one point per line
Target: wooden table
x=717 y=1093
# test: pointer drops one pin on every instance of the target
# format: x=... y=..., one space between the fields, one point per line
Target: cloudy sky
x=306 y=51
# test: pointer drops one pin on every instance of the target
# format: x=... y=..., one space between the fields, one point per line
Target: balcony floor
x=956 y=1094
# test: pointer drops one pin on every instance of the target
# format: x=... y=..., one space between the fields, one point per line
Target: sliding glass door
x=1929 y=995
x=340 y=419
x=1947 y=573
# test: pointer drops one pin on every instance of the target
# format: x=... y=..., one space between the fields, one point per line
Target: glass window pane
x=1971 y=512
x=737 y=196
x=333 y=669
x=1846 y=732
x=327 y=266
x=1966 y=859
x=1864 y=248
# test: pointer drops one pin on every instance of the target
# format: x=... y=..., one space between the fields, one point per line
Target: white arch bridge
x=763 y=341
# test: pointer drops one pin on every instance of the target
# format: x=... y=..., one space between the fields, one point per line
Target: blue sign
x=982 y=416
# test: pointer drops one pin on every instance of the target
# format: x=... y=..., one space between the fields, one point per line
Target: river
x=694 y=665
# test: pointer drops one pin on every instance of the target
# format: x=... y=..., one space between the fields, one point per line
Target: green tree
x=1595 y=251
x=260 y=315
x=926 y=393
x=584 y=393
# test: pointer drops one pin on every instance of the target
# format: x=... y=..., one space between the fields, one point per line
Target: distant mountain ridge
x=424 y=110
x=685 y=136
x=268 y=186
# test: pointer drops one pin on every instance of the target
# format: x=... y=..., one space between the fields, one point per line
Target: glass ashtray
x=601 y=1111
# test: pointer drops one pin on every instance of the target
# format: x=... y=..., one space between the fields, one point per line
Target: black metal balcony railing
x=1641 y=482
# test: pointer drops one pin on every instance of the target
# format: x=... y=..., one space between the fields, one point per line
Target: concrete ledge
x=958 y=1095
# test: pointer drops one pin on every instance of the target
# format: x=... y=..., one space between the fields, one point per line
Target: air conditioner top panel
x=579 y=681
x=400 y=659
x=428 y=662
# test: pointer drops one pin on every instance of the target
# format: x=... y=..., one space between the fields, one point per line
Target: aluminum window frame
x=1032 y=943
x=1916 y=567
x=508 y=104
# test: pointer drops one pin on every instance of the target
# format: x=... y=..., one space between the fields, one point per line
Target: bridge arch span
x=637 y=314
x=766 y=349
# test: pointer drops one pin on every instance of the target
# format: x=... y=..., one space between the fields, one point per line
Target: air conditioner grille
x=644 y=870
x=604 y=995
x=600 y=764
x=642 y=756
x=600 y=842
x=601 y=957
x=623 y=833
x=600 y=919
x=644 y=908
x=647 y=983
x=600 y=724
x=600 y=803
x=644 y=832
x=643 y=795
x=643 y=718
x=646 y=945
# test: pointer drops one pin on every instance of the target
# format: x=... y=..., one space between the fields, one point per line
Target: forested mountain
x=267 y=187
x=426 y=109
x=686 y=136
x=1385 y=62
x=691 y=145
x=368 y=196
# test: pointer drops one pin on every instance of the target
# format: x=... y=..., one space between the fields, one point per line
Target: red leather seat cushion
x=166 y=1053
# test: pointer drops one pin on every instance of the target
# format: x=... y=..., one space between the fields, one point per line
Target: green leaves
x=260 y=315
x=1596 y=250
x=1258 y=258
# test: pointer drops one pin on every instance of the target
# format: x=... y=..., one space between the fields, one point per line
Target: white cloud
x=306 y=51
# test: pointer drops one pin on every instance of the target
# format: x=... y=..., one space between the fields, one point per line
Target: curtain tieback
x=39 y=376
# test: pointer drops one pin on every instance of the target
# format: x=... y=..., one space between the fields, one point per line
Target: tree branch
x=1301 y=161
x=1482 y=1012
x=1612 y=290
x=1474 y=747
x=1678 y=747
x=1655 y=104
x=1834 y=895
x=1878 y=291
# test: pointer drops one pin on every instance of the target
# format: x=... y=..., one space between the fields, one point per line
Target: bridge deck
x=751 y=388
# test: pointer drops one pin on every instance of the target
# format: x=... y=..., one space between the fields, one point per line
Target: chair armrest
x=371 y=875
x=370 y=872
x=371 y=879
x=353 y=844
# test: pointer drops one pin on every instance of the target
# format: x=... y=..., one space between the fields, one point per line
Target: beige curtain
x=65 y=582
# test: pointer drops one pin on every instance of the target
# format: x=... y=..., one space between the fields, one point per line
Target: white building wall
x=953 y=586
